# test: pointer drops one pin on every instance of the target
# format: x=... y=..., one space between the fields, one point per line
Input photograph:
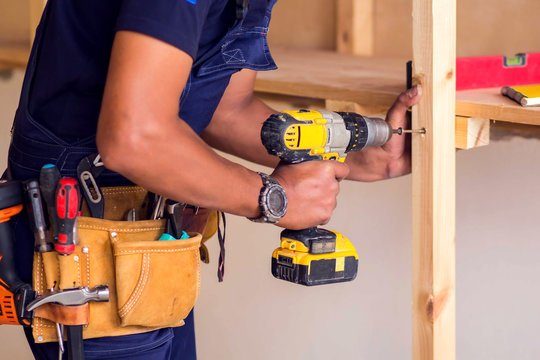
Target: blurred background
x=253 y=316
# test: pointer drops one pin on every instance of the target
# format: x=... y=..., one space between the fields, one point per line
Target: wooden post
x=433 y=177
x=355 y=27
x=36 y=9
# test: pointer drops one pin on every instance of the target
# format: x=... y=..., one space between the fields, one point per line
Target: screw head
x=114 y=234
x=40 y=338
x=85 y=249
x=76 y=258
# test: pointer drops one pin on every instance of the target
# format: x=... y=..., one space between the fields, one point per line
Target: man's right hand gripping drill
x=312 y=188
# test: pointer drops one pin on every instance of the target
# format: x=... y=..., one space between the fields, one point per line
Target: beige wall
x=12 y=339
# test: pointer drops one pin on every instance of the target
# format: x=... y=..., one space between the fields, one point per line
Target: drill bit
x=401 y=131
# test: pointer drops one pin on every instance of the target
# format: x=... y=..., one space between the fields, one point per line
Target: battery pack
x=327 y=258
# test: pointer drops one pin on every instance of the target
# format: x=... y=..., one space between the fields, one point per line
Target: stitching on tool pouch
x=122 y=191
x=90 y=227
x=88 y=268
x=196 y=257
x=143 y=279
x=79 y=279
x=121 y=252
x=39 y=275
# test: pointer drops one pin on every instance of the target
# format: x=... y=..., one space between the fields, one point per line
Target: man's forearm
x=238 y=132
x=173 y=161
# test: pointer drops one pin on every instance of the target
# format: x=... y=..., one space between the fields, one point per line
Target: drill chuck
x=379 y=131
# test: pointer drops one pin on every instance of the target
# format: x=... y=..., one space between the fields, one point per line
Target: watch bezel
x=268 y=215
x=268 y=191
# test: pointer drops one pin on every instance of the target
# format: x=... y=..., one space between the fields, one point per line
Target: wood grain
x=433 y=178
x=471 y=132
x=328 y=75
x=355 y=27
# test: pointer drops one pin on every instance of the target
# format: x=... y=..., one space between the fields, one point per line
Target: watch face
x=277 y=202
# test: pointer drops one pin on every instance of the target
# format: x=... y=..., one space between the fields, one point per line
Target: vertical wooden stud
x=36 y=9
x=434 y=39
x=355 y=27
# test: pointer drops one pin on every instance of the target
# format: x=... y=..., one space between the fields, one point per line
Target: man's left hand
x=394 y=158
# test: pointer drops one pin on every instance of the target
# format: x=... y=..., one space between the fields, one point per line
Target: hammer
x=71 y=297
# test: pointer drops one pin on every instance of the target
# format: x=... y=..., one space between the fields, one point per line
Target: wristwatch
x=272 y=201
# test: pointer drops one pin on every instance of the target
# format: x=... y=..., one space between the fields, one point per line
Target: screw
x=76 y=258
x=401 y=131
x=85 y=250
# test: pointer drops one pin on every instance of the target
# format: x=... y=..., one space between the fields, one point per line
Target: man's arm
x=236 y=128
x=236 y=125
x=141 y=137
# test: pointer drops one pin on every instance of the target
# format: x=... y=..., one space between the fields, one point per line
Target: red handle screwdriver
x=67 y=209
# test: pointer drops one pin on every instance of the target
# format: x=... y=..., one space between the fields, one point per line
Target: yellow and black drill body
x=318 y=256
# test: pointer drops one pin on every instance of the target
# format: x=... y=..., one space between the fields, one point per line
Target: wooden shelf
x=374 y=82
x=490 y=104
x=14 y=55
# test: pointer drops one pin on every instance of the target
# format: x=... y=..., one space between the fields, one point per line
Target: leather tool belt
x=153 y=284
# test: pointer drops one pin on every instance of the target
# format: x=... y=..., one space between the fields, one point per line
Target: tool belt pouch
x=153 y=284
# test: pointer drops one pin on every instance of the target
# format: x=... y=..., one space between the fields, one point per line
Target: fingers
x=341 y=170
x=397 y=114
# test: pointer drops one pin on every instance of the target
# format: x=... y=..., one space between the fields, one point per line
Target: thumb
x=396 y=116
x=341 y=170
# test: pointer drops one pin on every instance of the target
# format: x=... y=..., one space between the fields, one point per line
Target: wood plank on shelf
x=433 y=181
x=328 y=75
x=490 y=104
x=372 y=81
x=14 y=55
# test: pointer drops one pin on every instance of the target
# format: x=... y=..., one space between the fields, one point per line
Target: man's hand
x=394 y=158
x=312 y=188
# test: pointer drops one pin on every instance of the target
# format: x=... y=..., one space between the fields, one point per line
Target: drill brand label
x=306 y=137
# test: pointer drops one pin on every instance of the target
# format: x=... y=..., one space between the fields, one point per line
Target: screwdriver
x=67 y=209
x=68 y=200
x=49 y=177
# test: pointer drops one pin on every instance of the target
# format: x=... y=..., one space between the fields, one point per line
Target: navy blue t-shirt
x=76 y=43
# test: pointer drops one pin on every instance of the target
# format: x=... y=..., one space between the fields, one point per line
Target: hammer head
x=76 y=296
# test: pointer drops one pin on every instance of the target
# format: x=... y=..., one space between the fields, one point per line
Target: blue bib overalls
x=33 y=145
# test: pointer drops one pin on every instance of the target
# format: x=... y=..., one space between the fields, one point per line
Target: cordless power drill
x=317 y=256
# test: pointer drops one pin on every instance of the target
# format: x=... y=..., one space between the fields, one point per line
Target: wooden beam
x=433 y=178
x=355 y=27
x=36 y=9
x=351 y=106
x=471 y=132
